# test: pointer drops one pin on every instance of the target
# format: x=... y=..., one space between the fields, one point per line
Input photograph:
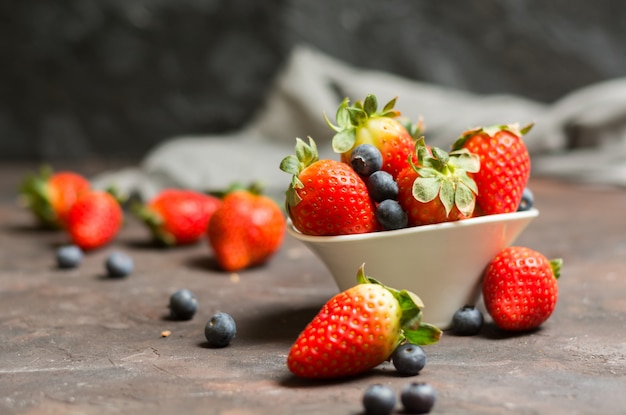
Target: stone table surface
x=75 y=342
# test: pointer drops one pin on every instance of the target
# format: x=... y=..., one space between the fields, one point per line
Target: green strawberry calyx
x=556 y=265
x=35 y=195
x=306 y=155
x=445 y=175
x=490 y=131
x=413 y=328
x=350 y=117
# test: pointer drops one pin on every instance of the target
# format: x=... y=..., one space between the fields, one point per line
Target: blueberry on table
x=220 y=330
x=390 y=215
x=183 y=304
x=418 y=398
x=365 y=159
x=69 y=256
x=527 y=201
x=379 y=400
x=467 y=321
x=409 y=359
x=381 y=185
x=119 y=264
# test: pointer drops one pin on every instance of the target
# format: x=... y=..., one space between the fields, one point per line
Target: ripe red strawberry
x=94 y=219
x=326 y=197
x=504 y=166
x=246 y=230
x=438 y=188
x=358 y=329
x=520 y=288
x=50 y=195
x=362 y=123
x=178 y=216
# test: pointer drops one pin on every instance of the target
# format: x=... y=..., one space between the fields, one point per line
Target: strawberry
x=504 y=166
x=326 y=197
x=94 y=219
x=438 y=188
x=362 y=123
x=178 y=216
x=520 y=288
x=358 y=329
x=49 y=195
x=246 y=230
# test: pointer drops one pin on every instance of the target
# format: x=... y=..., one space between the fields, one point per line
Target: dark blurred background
x=112 y=78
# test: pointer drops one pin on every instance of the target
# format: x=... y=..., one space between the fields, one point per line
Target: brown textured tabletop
x=74 y=342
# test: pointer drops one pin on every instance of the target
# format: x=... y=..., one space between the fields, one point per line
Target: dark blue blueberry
x=418 y=398
x=69 y=256
x=366 y=159
x=220 y=330
x=528 y=200
x=183 y=304
x=379 y=400
x=382 y=186
x=409 y=359
x=467 y=321
x=390 y=215
x=119 y=264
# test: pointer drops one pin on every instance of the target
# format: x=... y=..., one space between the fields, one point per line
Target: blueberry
x=418 y=398
x=390 y=215
x=220 y=330
x=379 y=400
x=467 y=321
x=183 y=304
x=119 y=264
x=381 y=186
x=409 y=359
x=527 y=201
x=366 y=159
x=69 y=256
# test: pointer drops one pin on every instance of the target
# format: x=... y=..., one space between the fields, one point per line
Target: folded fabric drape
x=580 y=137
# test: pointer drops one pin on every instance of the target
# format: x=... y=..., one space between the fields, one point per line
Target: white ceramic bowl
x=442 y=263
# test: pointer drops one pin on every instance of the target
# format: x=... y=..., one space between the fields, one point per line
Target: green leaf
x=446 y=195
x=357 y=116
x=556 y=265
x=370 y=105
x=469 y=182
x=425 y=334
x=465 y=160
x=389 y=106
x=426 y=189
x=290 y=164
x=440 y=154
x=465 y=199
x=344 y=140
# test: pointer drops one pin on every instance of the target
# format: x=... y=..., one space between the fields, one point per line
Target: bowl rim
x=499 y=217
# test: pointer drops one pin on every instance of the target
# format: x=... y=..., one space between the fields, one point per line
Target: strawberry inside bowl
x=442 y=263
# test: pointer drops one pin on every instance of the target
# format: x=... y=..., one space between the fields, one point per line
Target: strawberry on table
x=504 y=165
x=439 y=187
x=520 y=288
x=362 y=123
x=178 y=216
x=49 y=195
x=358 y=329
x=246 y=229
x=326 y=197
x=94 y=219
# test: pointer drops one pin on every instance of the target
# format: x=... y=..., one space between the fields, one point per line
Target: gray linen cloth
x=580 y=137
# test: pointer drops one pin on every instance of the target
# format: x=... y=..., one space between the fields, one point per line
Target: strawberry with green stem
x=50 y=195
x=520 y=289
x=438 y=188
x=94 y=219
x=246 y=229
x=504 y=165
x=358 y=329
x=363 y=123
x=177 y=216
x=326 y=197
